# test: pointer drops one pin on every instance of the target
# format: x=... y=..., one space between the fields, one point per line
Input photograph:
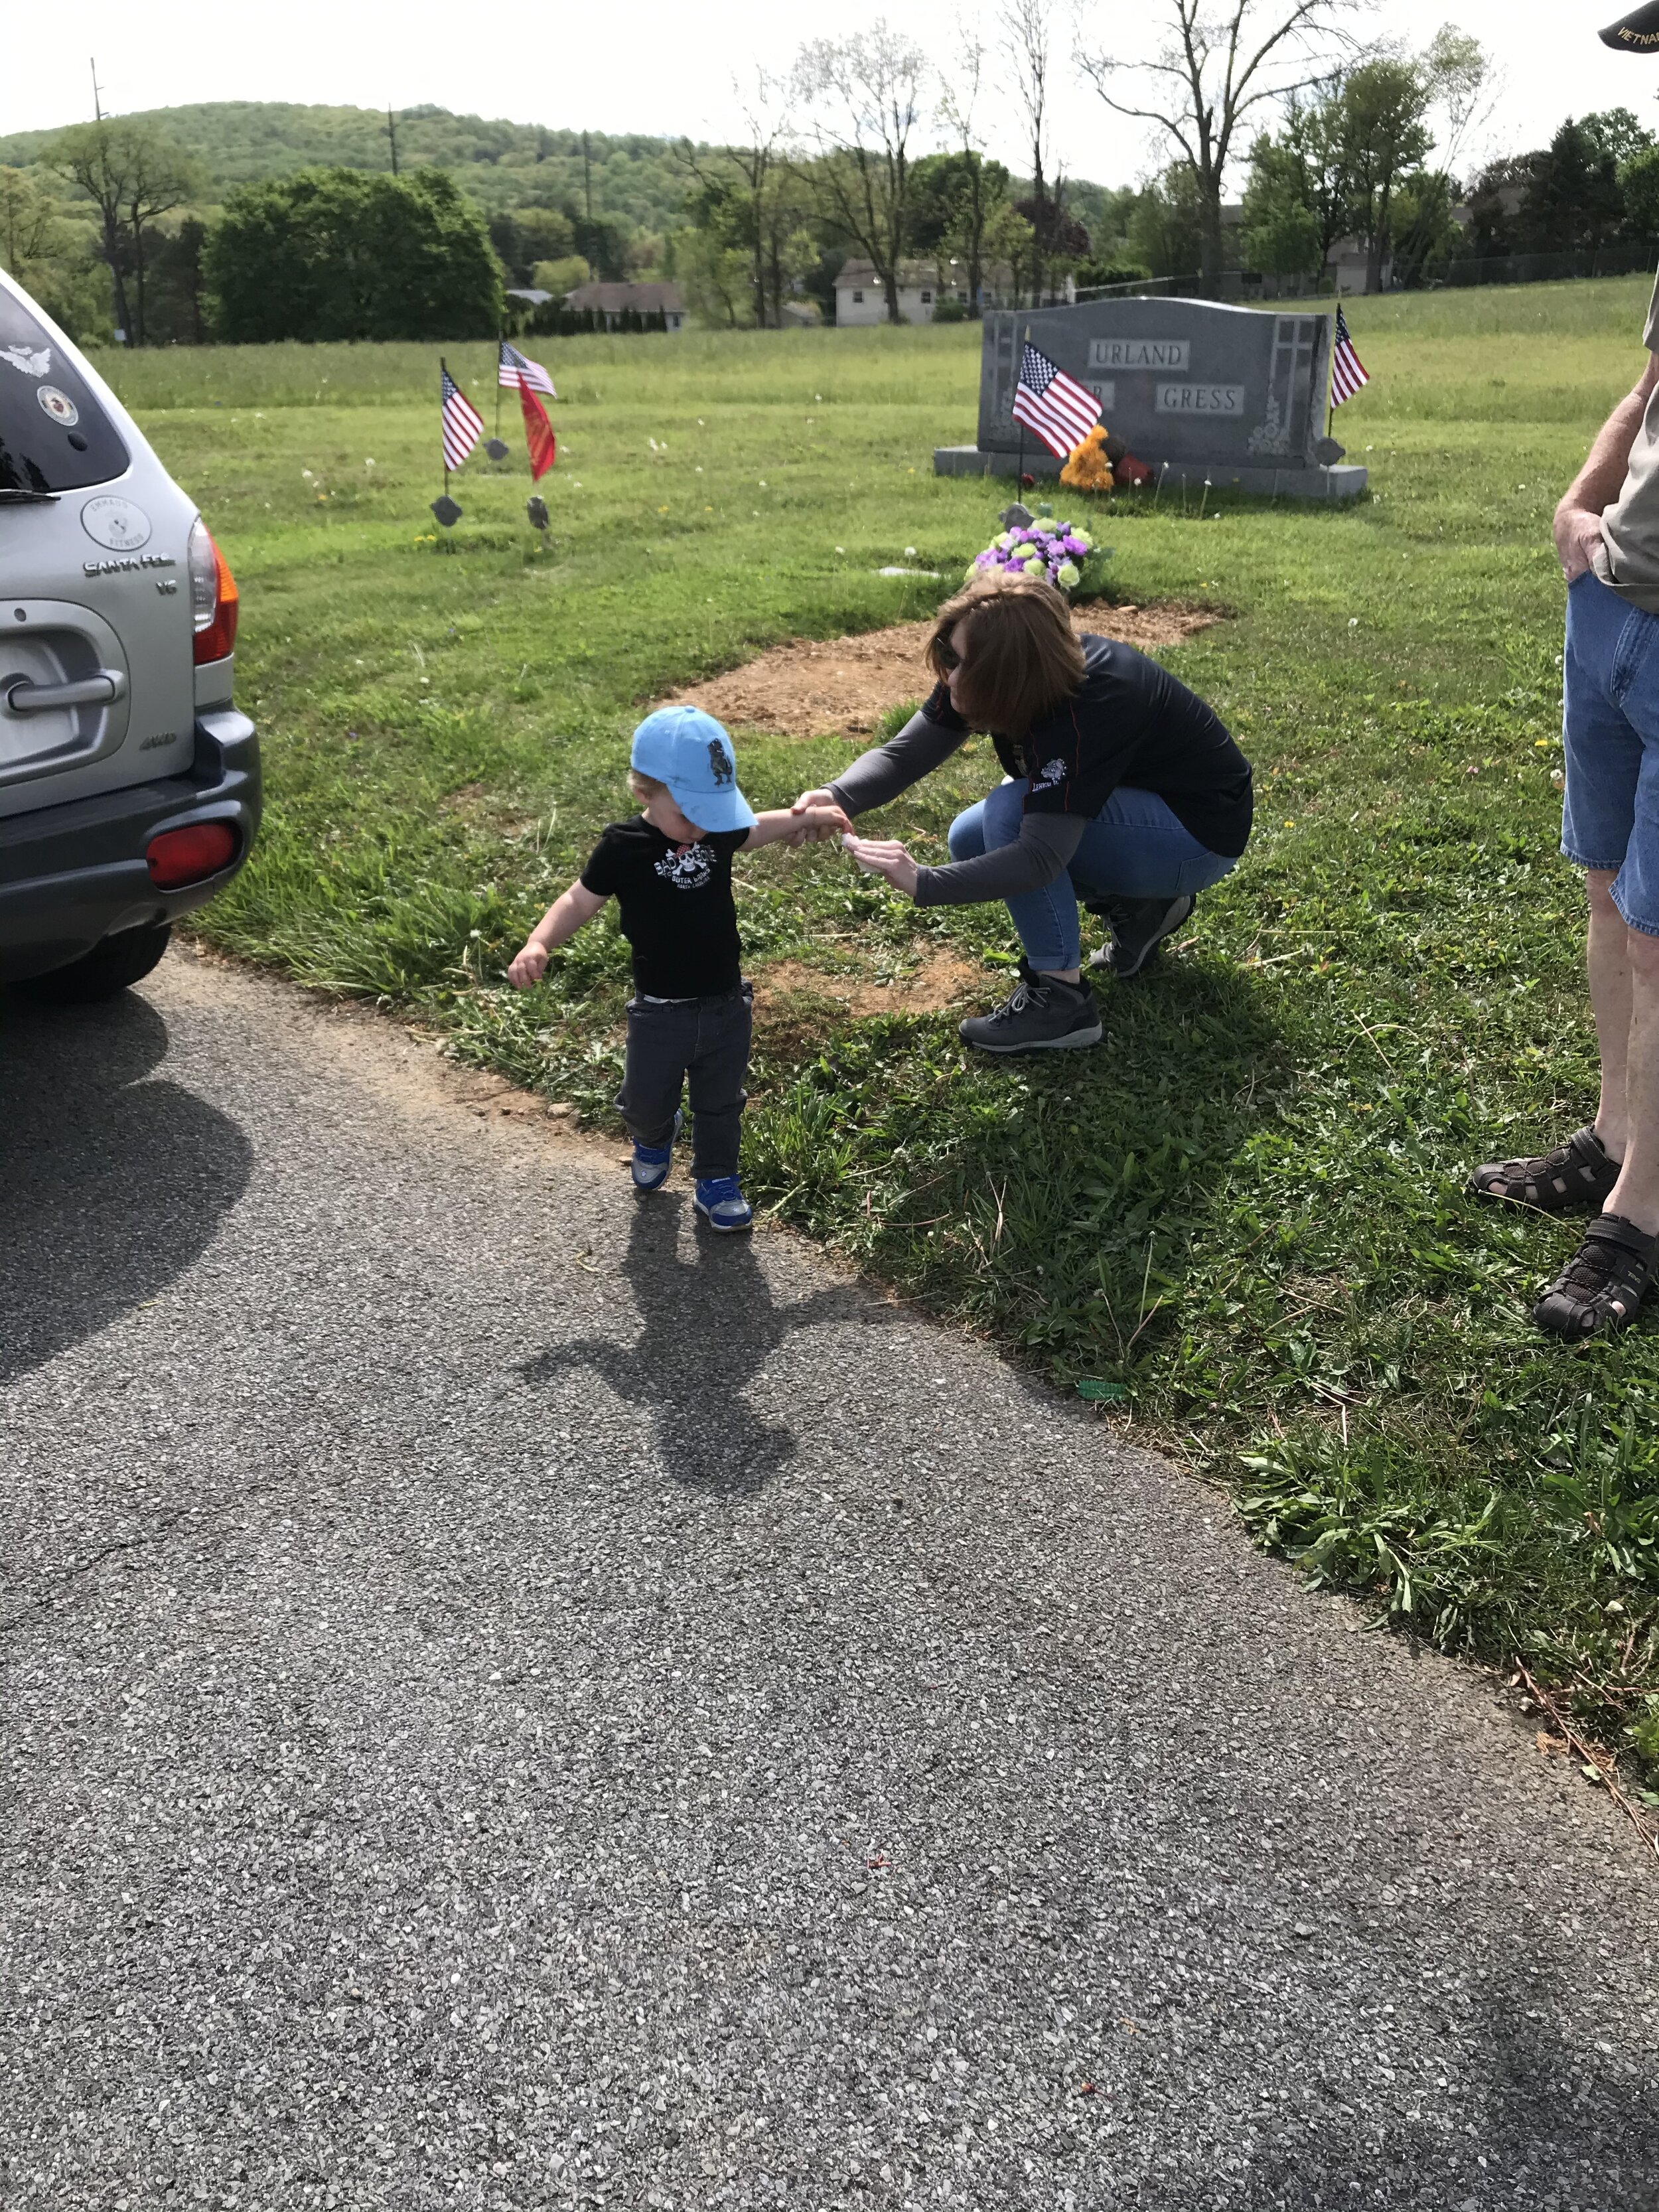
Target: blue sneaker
x=652 y=1162
x=720 y=1201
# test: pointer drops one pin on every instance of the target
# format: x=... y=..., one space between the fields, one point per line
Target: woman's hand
x=810 y=830
x=529 y=965
x=884 y=857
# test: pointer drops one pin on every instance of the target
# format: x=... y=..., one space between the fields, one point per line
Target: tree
x=133 y=175
x=178 y=312
x=962 y=197
x=716 y=280
x=1380 y=108
x=1281 y=233
x=1214 y=73
x=1572 y=202
x=1616 y=131
x=958 y=200
x=334 y=253
x=1460 y=74
x=1638 y=181
x=1425 y=228
x=525 y=235
x=31 y=227
x=1167 y=231
x=1026 y=54
x=864 y=94
x=161 y=177
x=96 y=158
x=755 y=201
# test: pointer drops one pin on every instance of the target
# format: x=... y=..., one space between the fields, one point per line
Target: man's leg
x=1609 y=960
x=1601 y=1286
x=1605 y=757
x=1635 y=1196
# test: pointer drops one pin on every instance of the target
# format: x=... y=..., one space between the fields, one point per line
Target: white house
x=859 y=297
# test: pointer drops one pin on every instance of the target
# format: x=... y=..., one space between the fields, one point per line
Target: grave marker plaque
x=1196 y=390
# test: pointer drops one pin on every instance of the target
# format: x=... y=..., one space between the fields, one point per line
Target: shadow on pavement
x=707 y=1326
x=110 y=1184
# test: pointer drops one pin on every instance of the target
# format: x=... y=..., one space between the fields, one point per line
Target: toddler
x=690 y=1017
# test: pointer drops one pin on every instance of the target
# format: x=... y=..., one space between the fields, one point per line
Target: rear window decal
x=25 y=358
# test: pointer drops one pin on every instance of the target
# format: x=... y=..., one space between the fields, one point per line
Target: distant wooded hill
x=501 y=165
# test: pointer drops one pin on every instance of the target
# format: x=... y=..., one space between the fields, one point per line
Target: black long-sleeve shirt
x=1129 y=722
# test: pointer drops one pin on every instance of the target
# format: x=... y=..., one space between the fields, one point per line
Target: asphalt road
x=511 y=1702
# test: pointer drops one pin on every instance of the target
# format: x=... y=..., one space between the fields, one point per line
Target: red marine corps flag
x=538 y=434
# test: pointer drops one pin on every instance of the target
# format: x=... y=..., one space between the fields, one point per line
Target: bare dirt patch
x=841 y=687
x=791 y=995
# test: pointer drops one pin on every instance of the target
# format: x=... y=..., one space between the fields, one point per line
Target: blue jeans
x=1134 y=848
x=1610 y=732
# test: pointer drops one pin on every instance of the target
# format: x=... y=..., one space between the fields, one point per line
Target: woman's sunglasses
x=946 y=659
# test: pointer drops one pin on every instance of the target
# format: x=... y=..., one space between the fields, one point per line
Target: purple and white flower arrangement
x=1054 y=551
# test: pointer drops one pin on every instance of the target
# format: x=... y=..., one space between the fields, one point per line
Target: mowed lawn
x=1243 y=1216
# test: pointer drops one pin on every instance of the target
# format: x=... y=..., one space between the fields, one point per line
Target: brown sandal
x=1576 y=1177
x=1600 y=1288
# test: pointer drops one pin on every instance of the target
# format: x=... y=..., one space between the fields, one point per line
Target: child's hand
x=817 y=822
x=529 y=965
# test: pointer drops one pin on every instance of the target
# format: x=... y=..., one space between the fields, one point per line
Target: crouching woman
x=1123 y=790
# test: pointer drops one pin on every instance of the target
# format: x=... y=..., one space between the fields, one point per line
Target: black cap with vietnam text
x=1636 y=32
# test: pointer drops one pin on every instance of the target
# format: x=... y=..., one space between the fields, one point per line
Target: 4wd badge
x=116 y=523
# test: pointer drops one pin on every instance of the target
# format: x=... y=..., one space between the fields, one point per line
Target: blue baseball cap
x=689 y=751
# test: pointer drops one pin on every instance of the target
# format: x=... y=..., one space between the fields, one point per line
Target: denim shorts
x=1610 y=730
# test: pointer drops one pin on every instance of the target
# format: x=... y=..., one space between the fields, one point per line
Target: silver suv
x=129 y=783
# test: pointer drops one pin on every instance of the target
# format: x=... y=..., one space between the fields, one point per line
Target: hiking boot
x=1043 y=1014
x=1139 y=927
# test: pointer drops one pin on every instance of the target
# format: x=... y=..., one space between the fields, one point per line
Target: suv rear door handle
x=96 y=690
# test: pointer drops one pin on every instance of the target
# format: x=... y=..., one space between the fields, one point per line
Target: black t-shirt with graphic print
x=1129 y=721
x=676 y=904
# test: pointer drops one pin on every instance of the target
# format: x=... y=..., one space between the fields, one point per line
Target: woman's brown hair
x=1022 y=659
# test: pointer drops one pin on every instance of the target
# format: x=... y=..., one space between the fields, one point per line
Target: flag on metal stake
x=538 y=434
x=518 y=373
x=1347 y=370
x=463 y=425
x=1046 y=400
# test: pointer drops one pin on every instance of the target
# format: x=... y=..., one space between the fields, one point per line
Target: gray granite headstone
x=1234 y=395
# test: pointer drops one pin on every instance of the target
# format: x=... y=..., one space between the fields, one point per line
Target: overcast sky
x=658 y=67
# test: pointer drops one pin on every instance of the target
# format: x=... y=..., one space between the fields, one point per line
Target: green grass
x=1246 y=1212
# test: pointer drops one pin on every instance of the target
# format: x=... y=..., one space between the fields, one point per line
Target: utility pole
x=391 y=133
x=97 y=103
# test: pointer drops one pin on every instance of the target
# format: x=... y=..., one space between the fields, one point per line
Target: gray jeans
x=702 y=1045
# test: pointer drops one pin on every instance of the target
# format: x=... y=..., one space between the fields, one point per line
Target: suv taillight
x=177 y=857
x=214 y=598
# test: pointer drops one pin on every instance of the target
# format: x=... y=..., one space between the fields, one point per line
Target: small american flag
x=520 y=374
x=1046 y=400
x=1347 y=370
x=463 y=424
